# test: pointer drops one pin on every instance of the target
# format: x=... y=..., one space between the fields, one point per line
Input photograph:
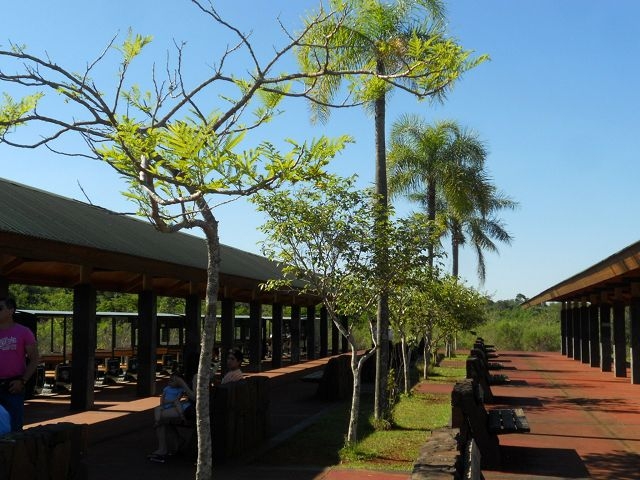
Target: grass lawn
x=393 y=449
x=446 y=374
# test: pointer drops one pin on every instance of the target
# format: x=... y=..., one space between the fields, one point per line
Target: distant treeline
x=511 y=327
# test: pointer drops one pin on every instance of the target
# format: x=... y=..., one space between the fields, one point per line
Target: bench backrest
x=63 y=373
x=472 y=462
x=469 y=415
x=476 y=372
x=112 y=367
x=239 y=416
x=337 y=379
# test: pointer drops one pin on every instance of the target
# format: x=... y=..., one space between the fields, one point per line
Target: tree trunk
x=427 y=354
x=455 y=247
x=203 y=420
x=381 y=400
x=431 y=216
x=352 y=432
x=405 y=364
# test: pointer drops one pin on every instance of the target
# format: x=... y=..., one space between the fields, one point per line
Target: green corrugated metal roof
x=36 y=213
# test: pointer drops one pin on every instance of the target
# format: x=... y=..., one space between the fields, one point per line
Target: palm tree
x=376 y=47
x=441 y=167
x=480 y=228
x=436 y=164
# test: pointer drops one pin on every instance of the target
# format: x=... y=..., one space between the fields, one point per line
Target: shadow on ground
x=553 y=462
x=517 y=401
x=619 y=465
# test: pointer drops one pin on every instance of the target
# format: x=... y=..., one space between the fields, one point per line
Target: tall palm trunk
x=457 y=239
x=431 y=216
x=382 y=323
x=455 y=247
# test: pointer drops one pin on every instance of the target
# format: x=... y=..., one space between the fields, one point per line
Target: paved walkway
x=584 y=424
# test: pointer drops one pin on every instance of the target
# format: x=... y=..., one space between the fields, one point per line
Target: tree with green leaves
x=322 y=235
x=450 y=306
x=372 y=48
x=404 y=309
x=178 y=143
x=408 y=255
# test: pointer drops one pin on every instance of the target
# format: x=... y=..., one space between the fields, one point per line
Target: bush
x=541 y=338
x=511 y=327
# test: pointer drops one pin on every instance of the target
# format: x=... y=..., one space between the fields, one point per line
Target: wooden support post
x=113 y=337
x=594 y=334
x=584 y=333
x=605 y=337
x=619 y=341
x=243 y=331
x=4 y=286
x=133 y=322
x=227 y=330
x=345 y=342
x=276 y=335
x=634 y=313
x=563 y=329
x=84 y=347
x=64 y=339
x=255 y=335
x=324 y=333
x=51 y=348
x=569 y=320
x=335 y=339
x=575 y=318
x=192 y=326
x=295 y=334
x=311 y=332
x=263 y=338
x=147 y=343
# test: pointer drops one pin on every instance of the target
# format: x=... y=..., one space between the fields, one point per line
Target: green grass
x=393 y=449
x=397 y=448
x=447 y=374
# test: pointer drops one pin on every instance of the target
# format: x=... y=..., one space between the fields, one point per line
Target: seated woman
x=171 y=410
x=234 y=361
x=172 y=405
x=5 y=421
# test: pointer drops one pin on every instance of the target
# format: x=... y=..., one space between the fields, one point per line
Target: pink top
x=13 y=341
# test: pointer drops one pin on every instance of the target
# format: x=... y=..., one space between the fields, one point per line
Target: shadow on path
x=554 y=462
x=619 y=465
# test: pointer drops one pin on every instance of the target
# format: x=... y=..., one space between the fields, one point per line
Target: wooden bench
x=489 y=351
x=474 y=421
x=336 y=382
x=447 y=455
x=46 y=452
x=472 y=461
x=313 y=377
x=477 y=373
x=240 y=417
x=488 y=347
x=486 y=365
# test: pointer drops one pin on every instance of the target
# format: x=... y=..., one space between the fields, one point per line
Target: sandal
x=154 y=457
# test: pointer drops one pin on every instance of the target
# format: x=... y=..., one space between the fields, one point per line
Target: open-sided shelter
x=50 y=240
x=594 y=305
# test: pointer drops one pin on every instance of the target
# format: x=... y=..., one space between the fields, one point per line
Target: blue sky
x=557 y=106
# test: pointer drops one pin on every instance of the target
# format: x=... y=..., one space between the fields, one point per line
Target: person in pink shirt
x=17 y=343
